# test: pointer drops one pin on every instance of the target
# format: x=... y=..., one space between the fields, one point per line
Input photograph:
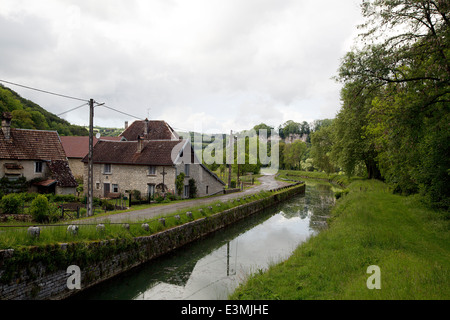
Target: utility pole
x=230 y=157
x=90 y=211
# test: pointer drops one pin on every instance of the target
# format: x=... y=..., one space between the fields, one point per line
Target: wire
x=44 y=91
x=84 y=104
x=127 y=114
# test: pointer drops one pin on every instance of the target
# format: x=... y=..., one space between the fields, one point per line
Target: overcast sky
x=214 y=65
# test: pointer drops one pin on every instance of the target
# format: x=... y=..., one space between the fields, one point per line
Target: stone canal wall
x=44 y=273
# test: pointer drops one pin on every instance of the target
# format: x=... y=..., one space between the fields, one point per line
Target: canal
x=212 y=267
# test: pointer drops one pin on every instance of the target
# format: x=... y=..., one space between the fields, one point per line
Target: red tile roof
x=157 y=130
x=31 y=145
x=154 y=152
x=62 y=174
x=78 y=147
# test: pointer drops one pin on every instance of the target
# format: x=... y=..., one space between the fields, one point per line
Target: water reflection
x=212 y=267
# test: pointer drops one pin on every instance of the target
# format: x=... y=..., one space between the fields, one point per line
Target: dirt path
x=268 y=182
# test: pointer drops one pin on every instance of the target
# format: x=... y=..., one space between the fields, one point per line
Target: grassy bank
x=13 y=236
x=334 y=178
x=369 y=226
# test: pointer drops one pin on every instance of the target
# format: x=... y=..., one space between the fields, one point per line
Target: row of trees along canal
x=394 y=119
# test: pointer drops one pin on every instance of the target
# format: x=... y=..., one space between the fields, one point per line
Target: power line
x=70 y=97
x=44 y=91
x=127 y=114
x=84 y=104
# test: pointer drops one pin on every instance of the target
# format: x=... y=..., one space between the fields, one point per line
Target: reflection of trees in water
x=315 y=205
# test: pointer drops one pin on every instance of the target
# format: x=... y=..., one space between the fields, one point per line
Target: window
x=115 y=188
x=186 y=191
x=207 y=189
x=97 y=186
x=107 y=168
x=152 y=170
x=38 y=167
x=186 y=170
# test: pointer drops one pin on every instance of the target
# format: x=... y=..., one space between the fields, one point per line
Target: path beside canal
x=268 y=182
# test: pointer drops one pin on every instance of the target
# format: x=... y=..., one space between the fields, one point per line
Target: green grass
x=369 y=226
x=334 y=178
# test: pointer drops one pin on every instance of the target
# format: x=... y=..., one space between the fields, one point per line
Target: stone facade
x=207 y=184
x=129 y=177
x=122 y=178
x=77 y=167
x=28 y=169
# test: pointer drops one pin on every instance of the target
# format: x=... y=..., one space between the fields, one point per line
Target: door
x=151 y=191
x=106 y=189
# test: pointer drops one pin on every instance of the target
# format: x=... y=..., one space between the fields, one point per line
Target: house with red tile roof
x=76 y=148
x=149 y=161
x=37 y=155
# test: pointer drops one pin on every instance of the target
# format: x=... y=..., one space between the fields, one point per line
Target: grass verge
x=369 y=226
x=16 y=236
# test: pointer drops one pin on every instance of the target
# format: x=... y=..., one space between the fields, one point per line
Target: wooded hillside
x=28 y=115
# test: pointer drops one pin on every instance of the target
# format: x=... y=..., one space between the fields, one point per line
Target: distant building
x=38 y=156
x=294 y=137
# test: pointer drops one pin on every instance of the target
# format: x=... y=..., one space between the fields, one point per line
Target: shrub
x=64 y=198
x=40 y=209
x=159 y=198
x=11 y=203
x=342 y=193
x=233 y=184
x=192 y=188
x=107 y=205
x=179 y=182
x=136 y=194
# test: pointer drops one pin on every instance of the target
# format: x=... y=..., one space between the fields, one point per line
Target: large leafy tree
x=321 y=147
x=293 y=154
x=403 y=63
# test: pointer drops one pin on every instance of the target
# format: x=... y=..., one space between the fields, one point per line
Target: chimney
x=146 y=128
x=126 y=125
x=139 y=145
x=6 y=124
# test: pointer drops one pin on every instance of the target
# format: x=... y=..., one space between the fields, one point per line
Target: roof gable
x=157 y=130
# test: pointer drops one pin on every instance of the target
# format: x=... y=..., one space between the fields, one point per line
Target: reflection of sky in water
x=267 y=243
x=213 y=268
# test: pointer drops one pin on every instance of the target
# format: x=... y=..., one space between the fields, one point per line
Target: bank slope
x=369 y=226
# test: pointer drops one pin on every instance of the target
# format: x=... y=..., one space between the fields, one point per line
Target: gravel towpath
x=268 y=182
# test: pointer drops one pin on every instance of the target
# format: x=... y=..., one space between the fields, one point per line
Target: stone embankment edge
x=41 y=273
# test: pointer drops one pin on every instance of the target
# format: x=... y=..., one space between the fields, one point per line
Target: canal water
x=212 y=267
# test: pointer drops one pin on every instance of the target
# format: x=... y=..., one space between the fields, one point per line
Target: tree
x=293 y=154
x=406 y=78
x=321 y=147
x=352 y=146
x=263 y=126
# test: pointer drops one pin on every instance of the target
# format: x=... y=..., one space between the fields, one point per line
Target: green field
x=369 y=226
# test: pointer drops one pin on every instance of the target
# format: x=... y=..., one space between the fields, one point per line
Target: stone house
x=36 y=155
x=149 y=163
